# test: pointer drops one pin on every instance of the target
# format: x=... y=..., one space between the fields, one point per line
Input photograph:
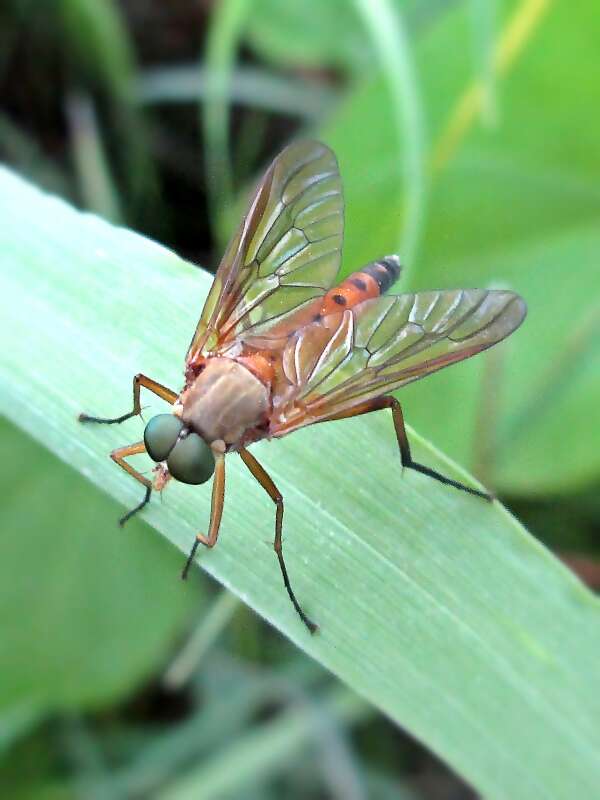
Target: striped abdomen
x=370 y=281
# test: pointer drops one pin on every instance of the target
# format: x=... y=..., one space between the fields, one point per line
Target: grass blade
x=391 y=44
x=264 y=751
x=435 y=606
x=96 y=183
x=250 y=86
x=20 y=149
x=514 y=37
x=221 y=47
x=201 y=640
x=483 y=22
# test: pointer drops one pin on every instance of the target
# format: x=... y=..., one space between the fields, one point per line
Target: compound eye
x=191 y=460
x=161 y=435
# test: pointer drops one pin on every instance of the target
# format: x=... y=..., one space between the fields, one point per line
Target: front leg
x=119 y=456
x=216 y=512
x=139 y=380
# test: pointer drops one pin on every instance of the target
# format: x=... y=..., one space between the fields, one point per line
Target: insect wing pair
x=280 y=346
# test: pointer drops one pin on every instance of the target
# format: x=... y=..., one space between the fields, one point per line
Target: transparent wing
x=286 y=251
x=383 y=344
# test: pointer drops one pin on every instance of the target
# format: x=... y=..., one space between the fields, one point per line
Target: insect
x=280 y=346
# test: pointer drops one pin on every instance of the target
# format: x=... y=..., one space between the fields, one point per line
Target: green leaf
x=434 y=605
x=15 y=724
x=310 y=33
x=316 y=34
x=86 y=611
x=547 y=377
x=517 y=204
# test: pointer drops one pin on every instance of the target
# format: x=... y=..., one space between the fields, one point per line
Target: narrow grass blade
x=203 y=637
x=512 y=40
x=222 y=41
x=95 y=180
x=263 y=751
x=20 y=149
x=249 y=86
x=390 y=42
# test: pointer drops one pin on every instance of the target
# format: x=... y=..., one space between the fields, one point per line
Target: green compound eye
x=161 y=434
x=191 y=460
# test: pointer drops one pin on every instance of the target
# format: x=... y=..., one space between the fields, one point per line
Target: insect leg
x=119 y=456
x=266 y=482
x=216 y=512
x=139 y=380
x=379 y=403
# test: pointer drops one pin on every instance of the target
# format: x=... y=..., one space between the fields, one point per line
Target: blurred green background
x=468 y=135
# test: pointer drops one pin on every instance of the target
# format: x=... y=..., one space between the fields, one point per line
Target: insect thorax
x=225 y=402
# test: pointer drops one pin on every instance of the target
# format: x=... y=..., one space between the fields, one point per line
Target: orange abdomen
x=261 y=354
x=370 y=281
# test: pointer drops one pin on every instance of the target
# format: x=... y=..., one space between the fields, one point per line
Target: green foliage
x=86 y=610
x=515 y=206
x=311 y=34
x=97 y=186
x=264 y=751
x=100 y=50
x=21 y=149
x=99 y=40
x=315 y=35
